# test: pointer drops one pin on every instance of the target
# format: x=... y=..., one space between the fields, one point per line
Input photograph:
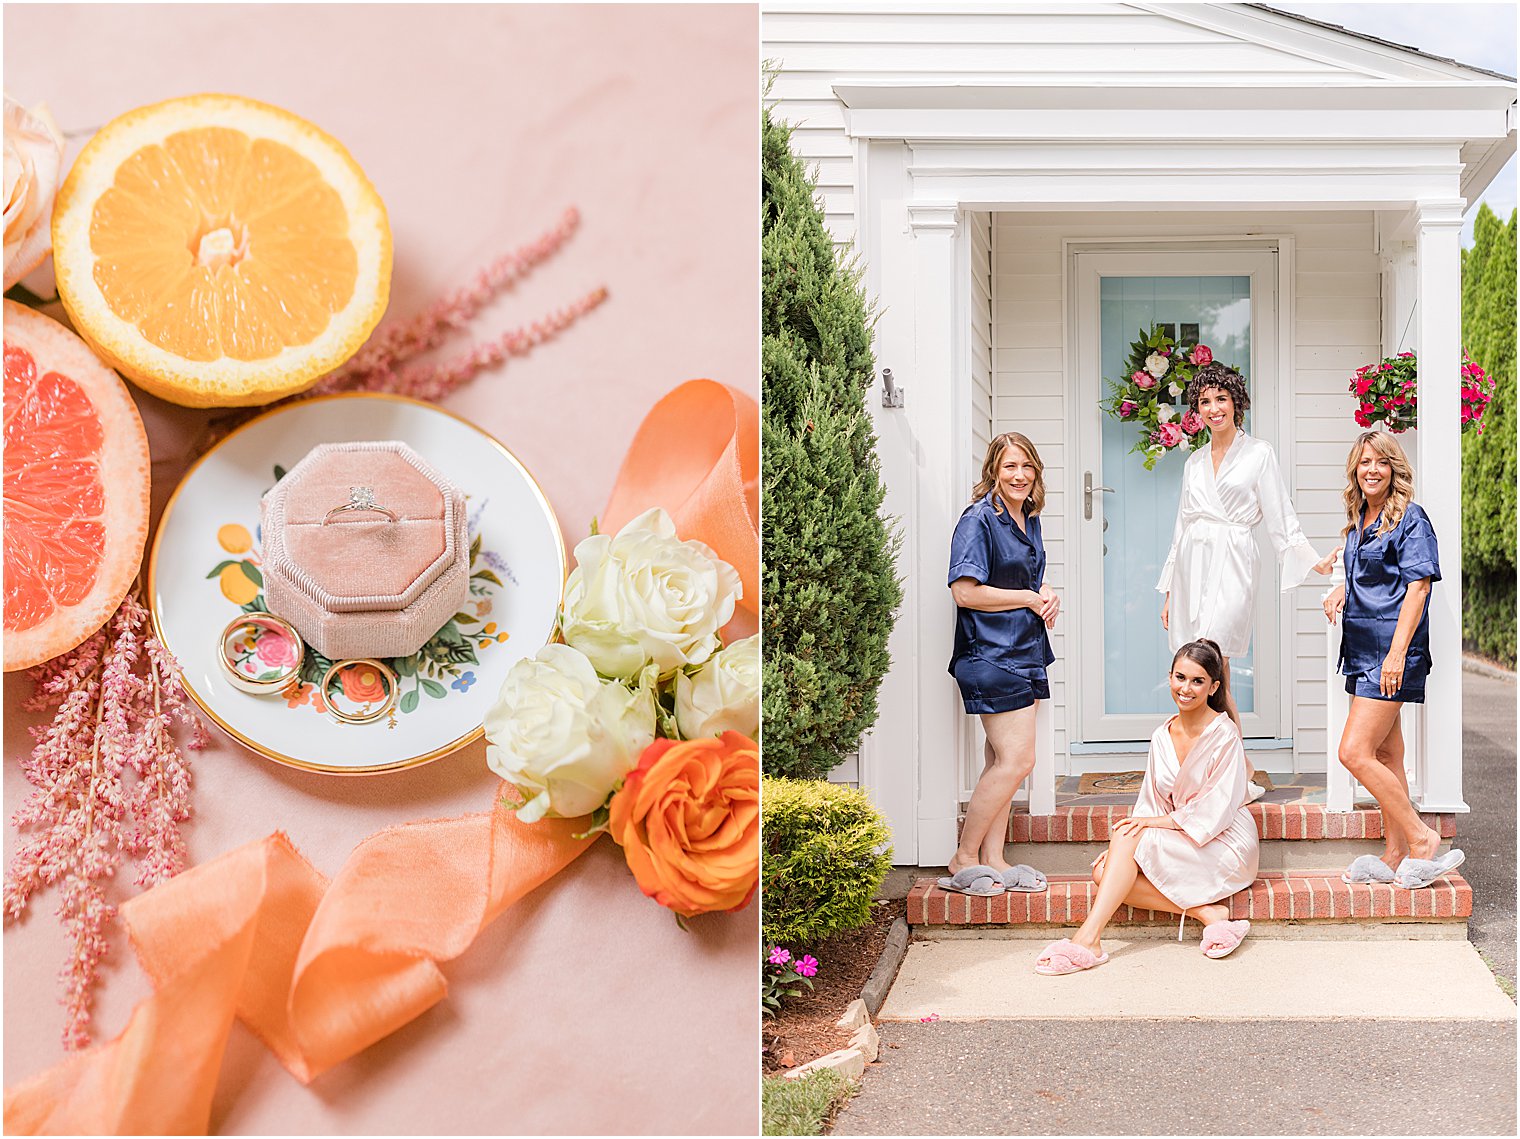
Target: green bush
x=826 y=852
x=1488 y=460
x=804 y=1106
x=829 y=581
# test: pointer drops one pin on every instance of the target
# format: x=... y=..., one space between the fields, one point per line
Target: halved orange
x=76 y=489
x=219 y=251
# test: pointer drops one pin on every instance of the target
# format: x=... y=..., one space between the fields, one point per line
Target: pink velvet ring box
x=360 y=584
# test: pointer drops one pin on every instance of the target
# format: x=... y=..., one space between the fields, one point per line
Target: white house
x=1028 y=184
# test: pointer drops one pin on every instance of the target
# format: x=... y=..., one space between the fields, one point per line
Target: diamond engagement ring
x=360 y=498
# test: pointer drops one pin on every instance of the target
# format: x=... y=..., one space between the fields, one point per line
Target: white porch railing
x=1340 y=787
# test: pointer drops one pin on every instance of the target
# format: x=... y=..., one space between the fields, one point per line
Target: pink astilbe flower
x=111 y=782
x=378 y=366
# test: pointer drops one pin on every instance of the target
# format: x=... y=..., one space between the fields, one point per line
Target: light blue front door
x=1139 y=516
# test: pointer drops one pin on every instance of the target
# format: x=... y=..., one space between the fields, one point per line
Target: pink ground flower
x=807 y=966
x=779 y=956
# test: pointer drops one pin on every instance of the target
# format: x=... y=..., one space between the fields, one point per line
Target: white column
x=1438 y=488
x=934 y=389
x=1340 y=786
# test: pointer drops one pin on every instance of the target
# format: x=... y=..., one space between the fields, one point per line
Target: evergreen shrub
x=829 y=583
x=825 y=853
x=1488 y=460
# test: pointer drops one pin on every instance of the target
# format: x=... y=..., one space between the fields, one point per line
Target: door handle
x=1088 y=490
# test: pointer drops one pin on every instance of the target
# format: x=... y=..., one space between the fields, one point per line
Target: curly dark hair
x=1216 y=375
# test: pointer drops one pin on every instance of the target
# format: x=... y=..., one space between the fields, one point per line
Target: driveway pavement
x=1487 y=836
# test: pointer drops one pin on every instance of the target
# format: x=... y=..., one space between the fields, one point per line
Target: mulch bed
x=804 y=1029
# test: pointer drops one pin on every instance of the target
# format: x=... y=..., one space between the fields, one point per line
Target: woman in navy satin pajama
x=1004 y=608
x=1391 y=562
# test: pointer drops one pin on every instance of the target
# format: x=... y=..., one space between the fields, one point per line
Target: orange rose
x=362 y=683
x=688 y=820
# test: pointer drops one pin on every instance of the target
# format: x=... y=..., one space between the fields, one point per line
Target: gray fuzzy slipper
x=1417 y=873
x=1024 y=879
x=978 y=881
x=1367 y=868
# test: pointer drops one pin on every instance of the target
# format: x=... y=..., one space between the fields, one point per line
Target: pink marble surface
x=584 y=1009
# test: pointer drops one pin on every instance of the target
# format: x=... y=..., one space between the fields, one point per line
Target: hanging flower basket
x=1385 y=393
x=1151 y=395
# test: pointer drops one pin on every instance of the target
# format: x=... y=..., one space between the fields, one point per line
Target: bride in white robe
x=1228 y=488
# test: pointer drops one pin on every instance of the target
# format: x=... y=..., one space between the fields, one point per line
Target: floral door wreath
x=1152 y=394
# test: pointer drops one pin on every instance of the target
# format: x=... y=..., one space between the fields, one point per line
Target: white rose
x=1157 y=364
x=1165 y=412
x=723 y=695
x=563 y=736
x=1175 y=388
x=33 y=164
x=646 y=596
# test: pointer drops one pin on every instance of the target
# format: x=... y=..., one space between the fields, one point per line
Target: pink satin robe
x=1215 y=853
x=1211 y=568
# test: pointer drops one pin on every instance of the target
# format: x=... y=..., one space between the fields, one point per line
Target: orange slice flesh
x=220 y=251
x=76 y=490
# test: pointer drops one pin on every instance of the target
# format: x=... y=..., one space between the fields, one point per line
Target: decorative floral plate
x=205 y=569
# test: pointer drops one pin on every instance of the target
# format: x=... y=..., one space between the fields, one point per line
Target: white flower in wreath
x=1157 y=364
x=1165 y=413
x=1175 y=388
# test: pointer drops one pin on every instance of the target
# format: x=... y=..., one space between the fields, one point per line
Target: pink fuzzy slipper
x=1222 y=938
x=1065 y=956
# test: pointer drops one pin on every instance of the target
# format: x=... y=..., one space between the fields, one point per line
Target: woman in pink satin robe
x=1190 y=842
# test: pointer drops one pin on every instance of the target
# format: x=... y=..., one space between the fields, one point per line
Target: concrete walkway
x=1487 y=835
x=989 y=979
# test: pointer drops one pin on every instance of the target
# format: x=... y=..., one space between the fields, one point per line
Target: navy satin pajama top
x=990 y=549
x=1378 y=571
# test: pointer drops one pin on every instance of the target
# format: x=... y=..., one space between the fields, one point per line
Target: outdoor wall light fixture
x=891 y=395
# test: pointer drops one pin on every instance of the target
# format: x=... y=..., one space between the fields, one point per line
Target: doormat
x=1111 y=783
x=1128 y=782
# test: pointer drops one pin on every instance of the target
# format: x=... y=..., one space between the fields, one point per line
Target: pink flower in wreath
x=275 y=650
x=1169 y=434
x=1144 y=380
x=1192 y=423
x=1127 y=408
x=1202 y=355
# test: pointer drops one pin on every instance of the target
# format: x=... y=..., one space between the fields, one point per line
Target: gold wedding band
x=388 y=680
x=261 y=674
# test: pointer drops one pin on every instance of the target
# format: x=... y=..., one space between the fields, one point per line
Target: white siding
x=811 y=48
x=979 y=226
x=1335 y=327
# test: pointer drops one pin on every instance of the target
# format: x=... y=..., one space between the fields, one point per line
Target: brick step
x=1274 y=821
x=1296 y=896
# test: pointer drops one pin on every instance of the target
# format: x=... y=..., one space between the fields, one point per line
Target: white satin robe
x=1211 y=568
x=1215 y=854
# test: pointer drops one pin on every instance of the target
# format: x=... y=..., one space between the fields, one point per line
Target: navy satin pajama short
x=988 y=688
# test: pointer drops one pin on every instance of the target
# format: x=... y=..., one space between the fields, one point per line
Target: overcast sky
x=1480 y=35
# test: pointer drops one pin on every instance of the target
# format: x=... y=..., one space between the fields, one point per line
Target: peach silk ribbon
x=320 y=971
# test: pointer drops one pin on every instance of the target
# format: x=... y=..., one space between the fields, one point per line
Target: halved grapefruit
x=220 y=251
x=76 y=489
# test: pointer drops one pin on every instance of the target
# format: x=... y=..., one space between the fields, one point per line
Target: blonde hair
x=1400 y=490
x=1036 y=500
